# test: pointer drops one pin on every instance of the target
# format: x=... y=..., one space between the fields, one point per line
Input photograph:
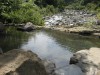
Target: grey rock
x=28 y=27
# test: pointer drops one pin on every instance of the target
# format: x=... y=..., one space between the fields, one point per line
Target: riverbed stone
x=88 y=61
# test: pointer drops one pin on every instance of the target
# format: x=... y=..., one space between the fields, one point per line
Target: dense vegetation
x=22 y=11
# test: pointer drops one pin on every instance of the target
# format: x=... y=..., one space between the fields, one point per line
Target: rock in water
x=19 y=62
x=88 y=61
x=28 y=27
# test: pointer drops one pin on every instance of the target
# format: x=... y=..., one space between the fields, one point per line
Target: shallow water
x=51 y=45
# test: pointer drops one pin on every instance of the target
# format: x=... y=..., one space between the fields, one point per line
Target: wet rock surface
x=88 y=61
x=19 y=62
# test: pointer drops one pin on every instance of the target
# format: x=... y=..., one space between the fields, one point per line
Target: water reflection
x=12 y=39
x=74 y=42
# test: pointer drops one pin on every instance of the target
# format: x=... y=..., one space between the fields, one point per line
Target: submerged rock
x=19 y=62
x=88 y=61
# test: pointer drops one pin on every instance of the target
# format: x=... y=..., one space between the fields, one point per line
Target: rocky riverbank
x=71 y=17
x=81 y=30
x=20 y=62
x=70 y=21
x=74 y=21
x=88 y=61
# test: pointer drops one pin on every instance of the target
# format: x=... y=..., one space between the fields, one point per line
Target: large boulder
x=88 y=61
x=20 y=62
x=28 y=27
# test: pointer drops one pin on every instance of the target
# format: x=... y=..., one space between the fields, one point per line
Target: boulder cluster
x=71 y=17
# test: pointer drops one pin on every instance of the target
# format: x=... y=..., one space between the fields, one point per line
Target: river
x=55 y=46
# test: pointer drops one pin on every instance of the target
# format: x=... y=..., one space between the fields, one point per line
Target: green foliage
x=22 y=11
x=23 y=16
x=49 y=10
x=98 y=9
x=83 y=4
x=19 y=11
x=98 y=15
x=75 y=6
x=91 y=6
x=60 y=4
